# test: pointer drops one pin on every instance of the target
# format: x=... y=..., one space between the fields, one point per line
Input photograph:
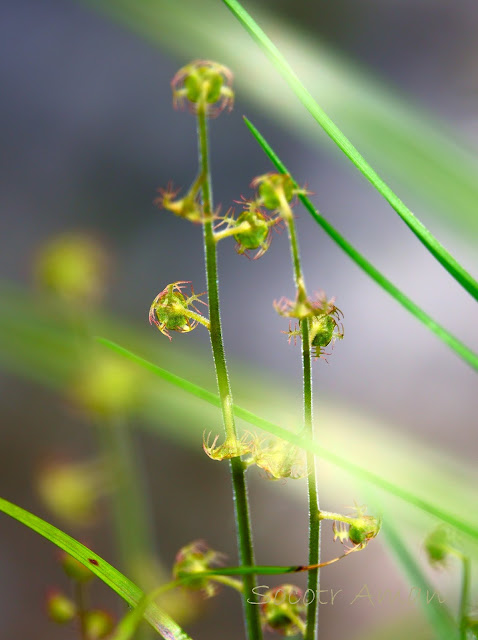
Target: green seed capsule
x=323 y=327
x=256 y=236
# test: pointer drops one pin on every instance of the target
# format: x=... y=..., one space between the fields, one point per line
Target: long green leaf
x=133 y=595
x=438 y=614
x=462 y=350
x=300 y=441
x=429 y=241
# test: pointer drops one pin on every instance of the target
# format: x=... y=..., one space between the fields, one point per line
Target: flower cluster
x=172 y=310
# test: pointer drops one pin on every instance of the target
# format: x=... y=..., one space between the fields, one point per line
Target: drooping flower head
x=203 y=84
x=324 y=317
x=172 y=310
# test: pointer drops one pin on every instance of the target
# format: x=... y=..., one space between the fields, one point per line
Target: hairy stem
x=313 y=496
x=241 y=505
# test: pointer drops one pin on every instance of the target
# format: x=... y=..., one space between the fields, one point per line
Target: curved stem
x=313 y=496
x=241 y=504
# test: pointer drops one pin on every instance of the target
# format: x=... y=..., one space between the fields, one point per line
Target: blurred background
x=88 y=134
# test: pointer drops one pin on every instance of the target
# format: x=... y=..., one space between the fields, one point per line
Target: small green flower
x=439 y=544
x=172 y=310
x=278 y=458
x=98 y=624
x=60 y=608
x=230 y=448
x=283 y=610
x=203 y=84
x=275 y=189
x=197 y=557
x=187 y=207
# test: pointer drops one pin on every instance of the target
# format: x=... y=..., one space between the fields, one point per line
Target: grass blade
x=159 y=620
x=462 y=350
x=429 y=241
x=438 y=614
x=300 y=441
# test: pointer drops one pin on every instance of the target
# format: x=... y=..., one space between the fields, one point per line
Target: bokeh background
x=88 y=134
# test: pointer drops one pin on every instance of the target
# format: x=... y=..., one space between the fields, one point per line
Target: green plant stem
x=461 y=349
x=308 y=430
x=129 y=504
x=464 y=596
x=80 y=600
x=422 y=233
x=130 y=592
x=296 y=439
x=241 y=504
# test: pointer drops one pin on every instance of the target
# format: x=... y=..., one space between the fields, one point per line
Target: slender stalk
x=308 y=431
x=80 y=599
x=241 y=504
x=464 y=597
x=130 y=512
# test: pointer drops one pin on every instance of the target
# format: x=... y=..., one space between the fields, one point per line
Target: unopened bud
x=60 y=608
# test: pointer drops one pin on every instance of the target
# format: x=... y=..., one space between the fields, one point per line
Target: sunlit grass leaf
x=423 y=234
x=462 y=350
x=408 y=143
x=437 y=613
x=132 y=594
x=354 y=469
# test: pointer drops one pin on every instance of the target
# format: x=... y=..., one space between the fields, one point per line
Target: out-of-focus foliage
x=402 y=141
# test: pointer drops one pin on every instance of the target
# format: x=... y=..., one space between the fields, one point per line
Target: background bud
x=60 y=608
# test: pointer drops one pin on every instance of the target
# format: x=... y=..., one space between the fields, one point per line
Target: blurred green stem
x=241 y=504
x=464 y=597
x=131 y=520
x=80 y=600
x=312 y=627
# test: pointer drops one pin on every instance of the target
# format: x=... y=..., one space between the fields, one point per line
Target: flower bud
x=257 y=236
x=358 y=529
x=60 y=608
x=108 y=386
x=275 y=189
x=439 y=544
x=194 y=558
x=98 y=624
x=187 y=207
x=71 y=490
x=73 y=266
x=172 y=310
x=283 y=610
x=204 y=85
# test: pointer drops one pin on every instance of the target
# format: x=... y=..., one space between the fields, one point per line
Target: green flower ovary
x=322 y=330
x=203 y=83
x=271 y=185
x=256 y=235
x=167 y=315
